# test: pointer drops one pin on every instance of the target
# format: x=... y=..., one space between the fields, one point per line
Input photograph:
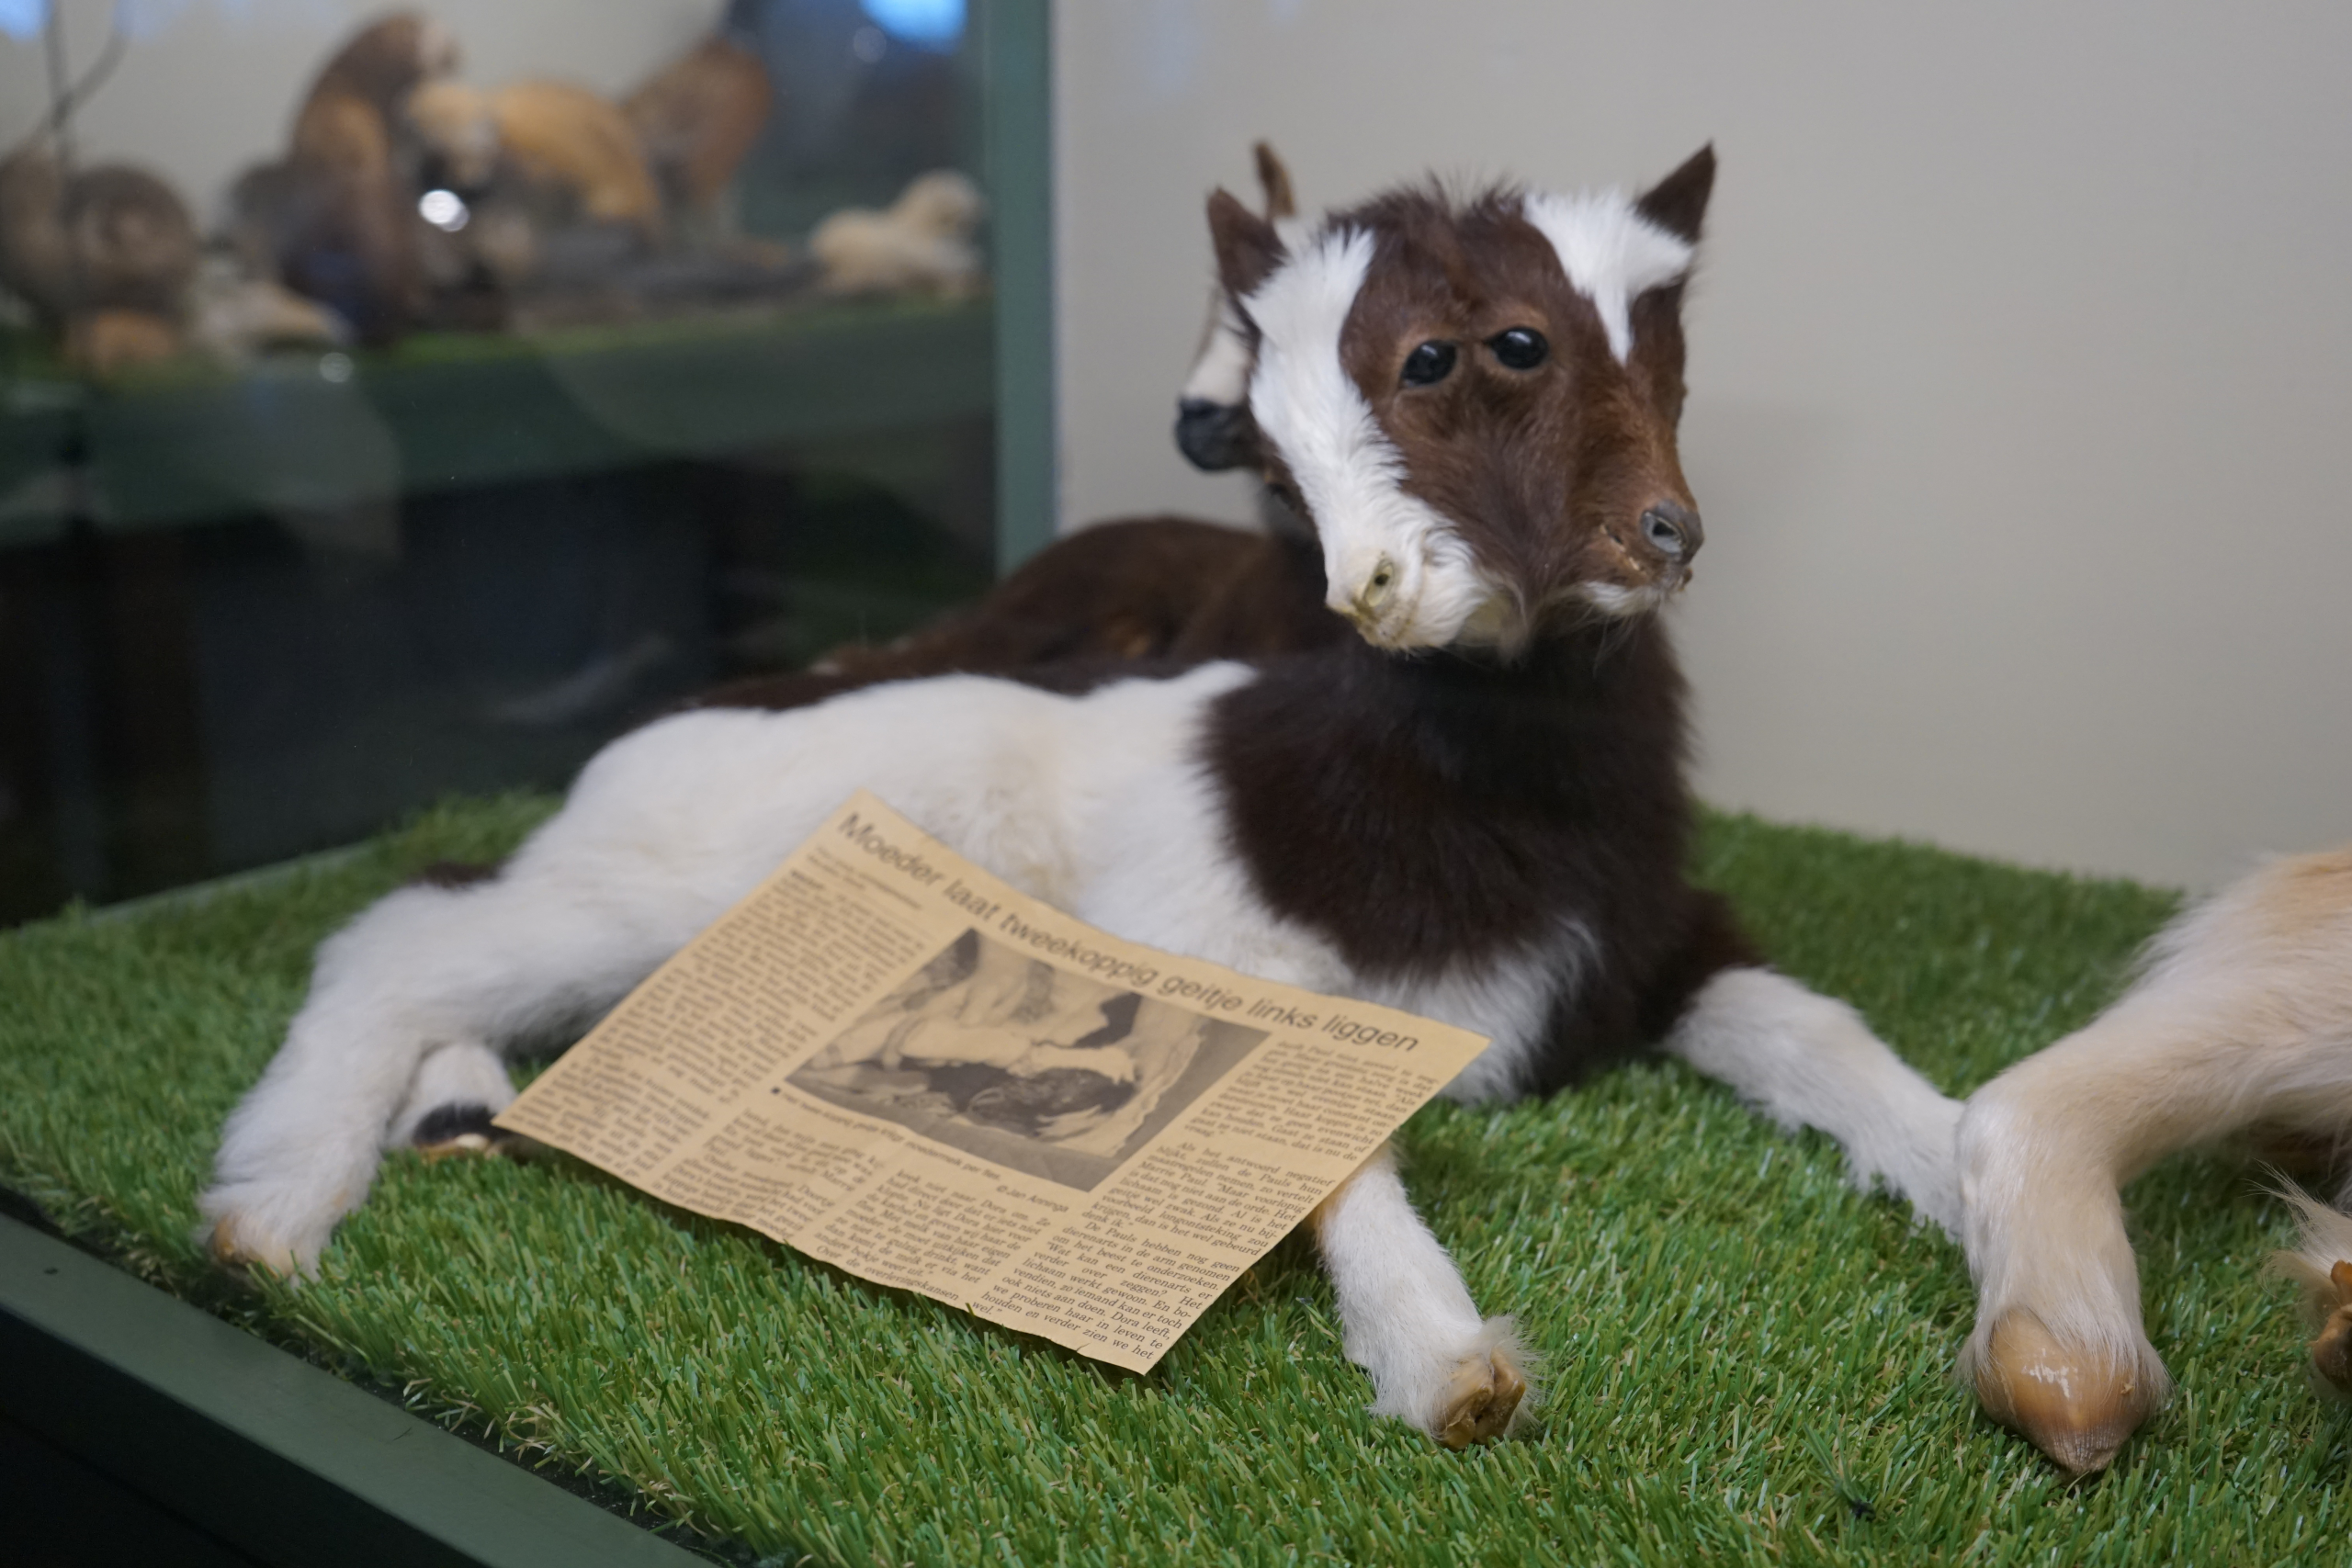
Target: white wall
x=209 y=87
x=2022 y=367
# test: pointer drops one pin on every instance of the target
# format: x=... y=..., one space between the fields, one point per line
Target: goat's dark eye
x=1521 y=348
x=1429 y=364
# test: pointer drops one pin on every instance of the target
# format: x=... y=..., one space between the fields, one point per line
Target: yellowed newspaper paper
x=889 y=1060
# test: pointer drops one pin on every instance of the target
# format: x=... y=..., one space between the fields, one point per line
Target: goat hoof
x=236 y=1247
x=460 y=1131
x=464 y=1144
x=1480 y=1400
x=2076 y=1408
x=2332 y=1351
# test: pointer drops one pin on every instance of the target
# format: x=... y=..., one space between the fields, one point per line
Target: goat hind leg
x=2244 y=1017
x=425 y=974
x=2059 y=1350
x=1406 y=1318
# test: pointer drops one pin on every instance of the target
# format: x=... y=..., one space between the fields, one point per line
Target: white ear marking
x=1220 y=372
x=1612 y=253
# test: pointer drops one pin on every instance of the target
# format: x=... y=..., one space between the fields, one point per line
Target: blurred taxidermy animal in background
x=920 y=245
x=696 y=119
x=232 y=316
x=2239 y=1021
x=573 y=144
x=564 y=203
x=335 y=219
x=104 y=257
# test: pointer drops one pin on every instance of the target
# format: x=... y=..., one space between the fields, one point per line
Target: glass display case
x=402 y=403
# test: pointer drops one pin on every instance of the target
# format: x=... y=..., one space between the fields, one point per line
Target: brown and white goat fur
x=2241 y=1021
x=1475 y=811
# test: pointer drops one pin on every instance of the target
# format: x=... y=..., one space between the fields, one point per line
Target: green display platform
x=1745 y=1360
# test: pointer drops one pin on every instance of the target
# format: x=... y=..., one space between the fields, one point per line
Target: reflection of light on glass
x=867 y=44
x=444 y=210
x=23 y=18
x=335 y=368
x=935 y=24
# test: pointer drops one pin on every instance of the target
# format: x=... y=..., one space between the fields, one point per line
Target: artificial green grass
x=1746 y=1360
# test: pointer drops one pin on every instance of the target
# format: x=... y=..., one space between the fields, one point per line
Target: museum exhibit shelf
x=450 y=412
x=258 y=613
x=256 y=607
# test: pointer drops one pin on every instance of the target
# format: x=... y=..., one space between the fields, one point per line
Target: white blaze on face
x=1612 y=253
x=1396 y=567
x=1220 y=372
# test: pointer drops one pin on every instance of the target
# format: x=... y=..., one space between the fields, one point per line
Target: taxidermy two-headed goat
x=1474 y=810
x=2242 y=1019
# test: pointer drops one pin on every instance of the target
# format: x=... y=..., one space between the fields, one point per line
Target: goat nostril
x=1671 y=530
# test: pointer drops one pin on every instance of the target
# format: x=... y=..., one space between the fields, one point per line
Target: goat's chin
x=1615 y=602
x=1498 y=627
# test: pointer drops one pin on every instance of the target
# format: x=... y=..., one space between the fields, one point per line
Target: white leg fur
x=1406 y=1317
x=2245 y=1016
x=425 y=972
x=1807 y=1060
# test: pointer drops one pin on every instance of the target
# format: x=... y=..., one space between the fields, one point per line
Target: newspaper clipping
x=889 y=1060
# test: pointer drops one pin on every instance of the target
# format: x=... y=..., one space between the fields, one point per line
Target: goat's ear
x=1274 y=180
x=1248 y=249
x=1677 y=203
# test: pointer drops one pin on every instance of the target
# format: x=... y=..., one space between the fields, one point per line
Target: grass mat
x=1746 y=1360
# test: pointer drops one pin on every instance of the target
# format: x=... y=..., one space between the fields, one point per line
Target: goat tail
x=1807 y=1060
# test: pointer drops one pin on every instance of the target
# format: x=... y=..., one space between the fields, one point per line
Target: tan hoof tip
x=464 y=1144
x=2332 y=1351
x=2077 y=1409
x=1480 y=1400
x=231 y=1250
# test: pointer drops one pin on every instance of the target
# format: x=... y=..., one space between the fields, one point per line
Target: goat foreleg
x=1806 y=1060
x=1406 y=1318
x=397 y=1043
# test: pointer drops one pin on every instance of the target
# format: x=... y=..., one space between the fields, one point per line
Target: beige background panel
x=2022 y=368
